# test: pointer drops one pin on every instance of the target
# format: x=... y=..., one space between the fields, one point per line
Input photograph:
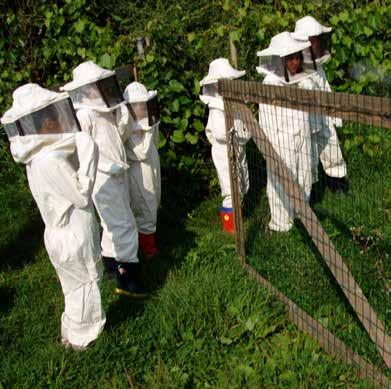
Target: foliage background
x=42 y=41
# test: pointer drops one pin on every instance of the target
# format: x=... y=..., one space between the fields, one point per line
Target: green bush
x=44 y=41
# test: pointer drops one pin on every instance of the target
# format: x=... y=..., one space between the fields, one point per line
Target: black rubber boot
x=128 y=283
x=336 y=184
x=110 y=266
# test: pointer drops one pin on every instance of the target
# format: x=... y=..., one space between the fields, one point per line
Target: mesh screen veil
x=145 y=110
x=56 y=118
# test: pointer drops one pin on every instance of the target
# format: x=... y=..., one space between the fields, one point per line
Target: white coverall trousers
x=144 y=177
x=216 y=134
x=289 y=133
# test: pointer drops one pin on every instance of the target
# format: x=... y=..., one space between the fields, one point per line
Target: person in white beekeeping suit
x=103 y=114
x=144 y=163
x=288 y=130
x=329 y=150
x=216 y=133
x=61 y=165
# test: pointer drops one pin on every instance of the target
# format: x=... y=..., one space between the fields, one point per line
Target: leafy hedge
x=44 y=41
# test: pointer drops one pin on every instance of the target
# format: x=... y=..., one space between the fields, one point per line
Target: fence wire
x=312 y=202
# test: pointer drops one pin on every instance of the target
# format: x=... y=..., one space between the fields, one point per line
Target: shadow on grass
x=7 y=298
x=21 y=250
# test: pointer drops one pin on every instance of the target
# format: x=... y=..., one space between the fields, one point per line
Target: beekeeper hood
x=284 y=51
x=309 y=29
x=94 y=87
x=39 y=119
x=143 y=105
x=218 y=69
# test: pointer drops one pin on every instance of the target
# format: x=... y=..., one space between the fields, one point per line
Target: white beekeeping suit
x=61 y=165
x=103 y=114
x=330 y=154
x=216 y=133
x=288 y=130
x=144 y=163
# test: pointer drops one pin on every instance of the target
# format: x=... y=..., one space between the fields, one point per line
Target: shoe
x=147 y=245
x=336 y=184
x=110 y=266
x=127 y=281
x=227 y=220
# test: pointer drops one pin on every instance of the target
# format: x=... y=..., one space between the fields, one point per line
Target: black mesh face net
x=56 y=118
x=110 y=91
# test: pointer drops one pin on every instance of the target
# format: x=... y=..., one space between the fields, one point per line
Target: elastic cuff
x=225 y=209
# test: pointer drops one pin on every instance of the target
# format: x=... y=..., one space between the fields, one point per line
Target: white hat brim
x=12 y=114
x=212 y=79
x=141 y=99
x=70 y=86
x=283 y=52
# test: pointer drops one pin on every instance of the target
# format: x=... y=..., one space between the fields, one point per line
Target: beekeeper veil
x=94 y=87
x=287 y=58
x=309 y=29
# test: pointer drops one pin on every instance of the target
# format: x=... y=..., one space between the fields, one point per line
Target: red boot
x=227 y=220
x=147 y=245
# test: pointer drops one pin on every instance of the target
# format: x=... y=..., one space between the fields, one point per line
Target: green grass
x=205 y=324
x=358 y=223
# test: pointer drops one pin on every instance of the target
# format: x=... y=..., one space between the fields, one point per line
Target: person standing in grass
x=103 y=114
x=288 y=130
x=144 y=164
x=61 y=166
x=217 y=135
x=329 y=150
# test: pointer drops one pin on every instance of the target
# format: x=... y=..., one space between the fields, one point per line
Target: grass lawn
x=204 y=325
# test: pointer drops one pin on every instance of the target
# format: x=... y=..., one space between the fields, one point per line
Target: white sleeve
x=88 y=155
x=60 y=179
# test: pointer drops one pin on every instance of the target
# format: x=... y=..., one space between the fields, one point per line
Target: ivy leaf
x=177 y=136
x=176 y=86
x=334 y=20
x=162 y=141
x=197 y=87
x=191 y=138
x=107 y=61
x=298 y=8
x=198 y=126
x=367 y=31
x=150 y=57
x=220 y=30
x=344 y=16
x=175 y=106
x=235 y=35
x=79 y=26
x=81 y=51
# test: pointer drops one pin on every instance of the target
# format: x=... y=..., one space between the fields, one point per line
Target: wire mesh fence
x=313 y=222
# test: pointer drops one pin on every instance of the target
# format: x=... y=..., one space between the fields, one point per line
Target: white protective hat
x=282 y=45
x=308 y=26
x=86 y=73
x=94 y=87
x=137 y=93
x=221 y=68
x=30 y=98
x=38 y=111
